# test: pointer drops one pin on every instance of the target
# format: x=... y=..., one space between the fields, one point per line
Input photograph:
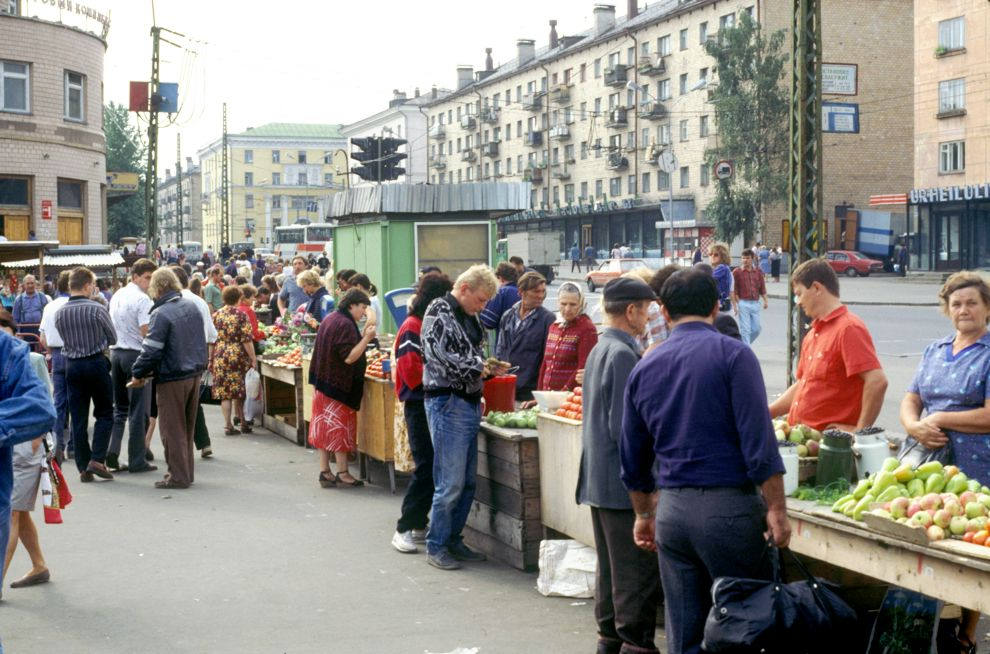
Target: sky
x=309 y=60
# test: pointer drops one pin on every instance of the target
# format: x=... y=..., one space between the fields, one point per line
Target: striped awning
x=71 y=261
x=888 y=199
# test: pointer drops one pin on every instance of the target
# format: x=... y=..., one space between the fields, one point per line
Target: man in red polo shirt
x=840 y=383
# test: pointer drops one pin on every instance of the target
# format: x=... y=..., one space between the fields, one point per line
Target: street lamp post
x=668 y=159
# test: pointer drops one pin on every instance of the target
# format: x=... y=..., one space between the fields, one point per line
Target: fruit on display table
x=513 y=419
x=291 y=358
x=572 y=406
x=376 y=365
x=807 y=439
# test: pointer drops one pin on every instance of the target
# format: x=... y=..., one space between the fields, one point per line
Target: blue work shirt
x=575 y=253
x=506 y=296
x=697 y=406
x=960 y=382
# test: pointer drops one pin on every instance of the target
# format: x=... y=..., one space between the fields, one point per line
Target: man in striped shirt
x=87 y=331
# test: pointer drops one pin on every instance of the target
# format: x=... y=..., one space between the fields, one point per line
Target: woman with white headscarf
x=569 y=341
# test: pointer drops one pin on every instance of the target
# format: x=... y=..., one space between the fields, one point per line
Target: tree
x=751 y=116
x=126 y=152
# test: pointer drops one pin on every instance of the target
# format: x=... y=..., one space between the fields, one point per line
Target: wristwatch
x=647 y=514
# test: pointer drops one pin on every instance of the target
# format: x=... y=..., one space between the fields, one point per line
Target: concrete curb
x=870 y=303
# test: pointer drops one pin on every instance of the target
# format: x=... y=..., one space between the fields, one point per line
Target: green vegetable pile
x=827 y=494
x=514 y=419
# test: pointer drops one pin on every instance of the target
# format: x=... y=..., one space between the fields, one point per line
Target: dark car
x=852 y=263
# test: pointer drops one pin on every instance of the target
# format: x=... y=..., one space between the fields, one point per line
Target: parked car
x=852 y=263
x=610 y=269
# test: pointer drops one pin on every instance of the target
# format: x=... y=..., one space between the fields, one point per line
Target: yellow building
x=277 y=174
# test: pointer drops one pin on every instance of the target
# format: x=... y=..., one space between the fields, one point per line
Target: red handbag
x=59 y=485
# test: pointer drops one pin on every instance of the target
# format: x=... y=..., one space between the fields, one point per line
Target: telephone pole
x=151 y=183
x=224 y=204
x=178 y=184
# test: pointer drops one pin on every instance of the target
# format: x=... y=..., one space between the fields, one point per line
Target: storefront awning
x=111 y=260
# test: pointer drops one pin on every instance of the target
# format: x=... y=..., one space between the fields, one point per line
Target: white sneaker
x=418 y=535
x=402 y=541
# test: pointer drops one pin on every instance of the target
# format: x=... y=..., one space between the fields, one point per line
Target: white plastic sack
x=252 y=384
x=567 y=569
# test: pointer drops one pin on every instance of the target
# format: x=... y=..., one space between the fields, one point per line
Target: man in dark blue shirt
x=696 y=407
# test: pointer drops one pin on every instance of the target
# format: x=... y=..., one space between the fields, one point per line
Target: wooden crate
x=504 y=522
x=307 y=389
x=283 y=391
x=376 y=420
x=560 y=463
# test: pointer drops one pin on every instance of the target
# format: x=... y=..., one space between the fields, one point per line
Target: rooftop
x=294 y=130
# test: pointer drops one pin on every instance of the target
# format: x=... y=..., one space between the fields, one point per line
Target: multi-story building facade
x=277 y=174
x=949 y=206
x=52 y=147
x=192 y=205
x=404 y=119
x=593 y=119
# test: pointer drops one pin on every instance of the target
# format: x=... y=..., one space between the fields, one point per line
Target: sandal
x=327 y=480
x=353 y=484
x=230 y=431
x=246 y=428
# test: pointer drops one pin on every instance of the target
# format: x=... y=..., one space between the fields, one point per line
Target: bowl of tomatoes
x=572 y=406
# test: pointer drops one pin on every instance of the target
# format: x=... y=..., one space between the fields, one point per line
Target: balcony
x=533 y=101
x=654 y=66
x=438 y=161
x=560 y=132
x=489 y=115
x=617 y=118
x=534 y=175
x=468 y=122
x=617 y=162
x=654 y=111
x=438 y=131
x=560 y=94
x=560 y=172
x=616 y=76
x=534 y=139
x=468 y=155
x=653 y=155
x=490 y=149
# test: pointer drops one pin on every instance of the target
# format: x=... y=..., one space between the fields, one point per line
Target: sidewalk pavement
x=875 y=290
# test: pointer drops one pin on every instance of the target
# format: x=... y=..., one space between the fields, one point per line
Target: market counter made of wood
x=560 y=463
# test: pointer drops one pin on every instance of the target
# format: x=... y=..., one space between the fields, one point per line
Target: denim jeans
x=749 y=320
x=130 y=409
x=61 y=390
x=454 y=425
x=6 y=489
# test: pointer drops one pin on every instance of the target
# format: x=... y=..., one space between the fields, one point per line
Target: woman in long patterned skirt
x=233 y=356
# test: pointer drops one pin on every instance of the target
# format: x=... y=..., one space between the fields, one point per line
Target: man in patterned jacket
x=454 y=369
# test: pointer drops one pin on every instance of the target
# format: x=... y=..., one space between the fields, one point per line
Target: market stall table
x=504 y=522
x=376 y=426
x=283 y=394
x=560 y=462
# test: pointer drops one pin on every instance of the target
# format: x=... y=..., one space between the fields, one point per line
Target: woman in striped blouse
x=569 y=341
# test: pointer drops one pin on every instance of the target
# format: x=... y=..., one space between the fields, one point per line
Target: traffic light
x=390 y=158
x=368 y=157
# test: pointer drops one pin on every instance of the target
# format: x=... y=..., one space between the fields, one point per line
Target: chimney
x=554 y=41
x=398 y=97
x=416 y=92
x=189 y=163
x=489 y=64
x=433 y=93
x=632 y=9
x=168 y=173
x=527 y=50
x=604 y=18
x=465 y=75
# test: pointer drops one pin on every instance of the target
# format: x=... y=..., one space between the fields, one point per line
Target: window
x=646 y=183
x=663 y=134
x=248 y=179
x=749 y=10
x=727 y=21
x=15 y=87
x=328 y=156
x=703 y=126
x=328 y=179
x=615 y=187
x=249 y=201
x=584 y=190
x=631 y=98
x=276 y=202
x=75 y=96
x=631 y=56
x=276 y=156
x=301 y=157
x=584 y=150
x=631 y=140
x=599 y=188
x=613 y=101
x=644 y=49
x=556 y=195
x=615 y=142
x=684 y=39
x=952 y=157
x=598 y=148
x=663 y=89
x=704 y=175
x=951 y=95
x=952 y=33
x=14 y=191
x=582 y=74
x=685 y=177
x=508 y=131
x=663 y=45
x=682 y=83
x=497 y=169
x=645 y=138
x=598 y=67
x=583 y=111
x=598 y=107
x=684 y=130
x=613 y=61
x=70 y=194
x=703 y=32
x=663 y=181
x=703 y=75
x=301 y=180
x=569 y=153
x=249 y=156
x=631 y=185
x=276 y=179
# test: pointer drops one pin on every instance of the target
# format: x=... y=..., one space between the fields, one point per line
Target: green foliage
x=751 y=116
x=126 y=153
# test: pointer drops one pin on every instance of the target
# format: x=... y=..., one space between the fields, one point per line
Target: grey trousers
x=704 y=533
x=177 y=404
x=627 y=586
x=130 y=408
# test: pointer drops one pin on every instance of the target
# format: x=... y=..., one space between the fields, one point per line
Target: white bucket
x=790 y=456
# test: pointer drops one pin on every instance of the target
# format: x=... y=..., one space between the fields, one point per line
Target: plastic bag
x=402 y=454
x=252 y=384
x=567 y=569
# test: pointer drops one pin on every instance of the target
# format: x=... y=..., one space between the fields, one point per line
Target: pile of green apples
x=940 y=499
x=806 y=438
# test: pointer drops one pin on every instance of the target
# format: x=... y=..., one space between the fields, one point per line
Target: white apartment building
x=404 y=119
x=192 y=206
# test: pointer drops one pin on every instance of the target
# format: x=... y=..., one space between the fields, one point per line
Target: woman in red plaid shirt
x=569 y=341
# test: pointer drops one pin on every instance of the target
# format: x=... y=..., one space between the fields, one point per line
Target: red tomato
x=968 y=536
x=980 y=537
x=577 y=390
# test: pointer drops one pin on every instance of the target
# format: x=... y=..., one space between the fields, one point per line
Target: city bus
x=305 y=239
